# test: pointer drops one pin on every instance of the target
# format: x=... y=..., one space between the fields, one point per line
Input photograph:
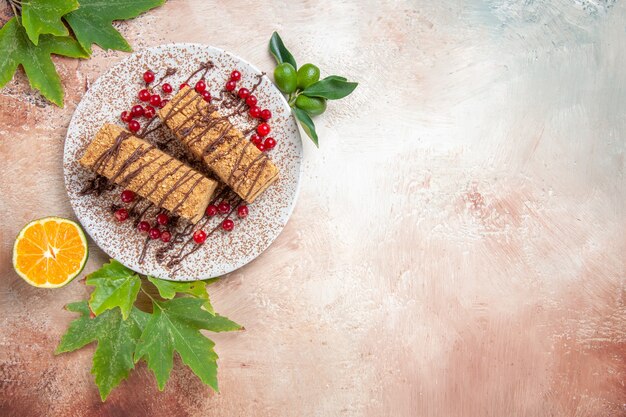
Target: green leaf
x=116 y=337
x=336 y=77
x=307 y=124
x=91 y=23
x=280 y=51
x=168 y=289
x=331 y=88
x=175 y=325
x=116 y=286
x=44 y=16
x=81 y=332
x=16 y=49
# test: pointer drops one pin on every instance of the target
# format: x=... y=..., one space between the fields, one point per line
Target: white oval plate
x=116 y=91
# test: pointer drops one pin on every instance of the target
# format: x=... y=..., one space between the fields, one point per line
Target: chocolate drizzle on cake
x=99 y=183
x=196 y=125
x=181 y=245
x=110 y=156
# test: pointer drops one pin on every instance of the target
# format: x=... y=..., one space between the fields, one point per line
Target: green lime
x=307 y=75
x=312 y=105
x=286 y=78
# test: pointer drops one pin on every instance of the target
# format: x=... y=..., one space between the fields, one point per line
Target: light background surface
x=458 y=245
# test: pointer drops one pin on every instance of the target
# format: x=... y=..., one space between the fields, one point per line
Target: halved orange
x=50 y=252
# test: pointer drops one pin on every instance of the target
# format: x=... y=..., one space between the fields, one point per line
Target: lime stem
x=292 y=98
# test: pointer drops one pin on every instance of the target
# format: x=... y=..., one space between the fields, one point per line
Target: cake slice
x=140 y=167
x=212 y=138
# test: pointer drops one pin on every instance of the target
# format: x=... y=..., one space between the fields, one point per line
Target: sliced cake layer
x=211 y=137
x=138 y=166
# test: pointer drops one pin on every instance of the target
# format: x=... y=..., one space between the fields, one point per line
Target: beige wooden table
x=458 y=245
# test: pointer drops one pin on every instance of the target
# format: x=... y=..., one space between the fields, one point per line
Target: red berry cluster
x=263 y=129
x=200 y=88
x=149 y=96
x=227 y=224
x=154 y=232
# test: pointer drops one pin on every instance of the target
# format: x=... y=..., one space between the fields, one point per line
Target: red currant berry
x=163 y=103
x=165 y=236
x=144 y=95
x=251 y=100
x=235 y=75
x=211 y=210
x=167 y=88
x=134 y=126
x=243 y=92
x=199 y=237
x=263 y=129
x=266 y=114
x=261 y=147
x=223 y=207
x=155 y=100
x=228 y=225
x=242 y=211
x=137 y=111
x=269 y=143
x=155 y=233
x=127 y=196
x=126 y=117
x=162 y=219
x=149 y=112
x=206 y=96
x=143 y=226
x=230 y=86
x=183 y=85
x=255 y=112
x=200 y=86
x=148 y=76
x=256 y=139
x=121 y=214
